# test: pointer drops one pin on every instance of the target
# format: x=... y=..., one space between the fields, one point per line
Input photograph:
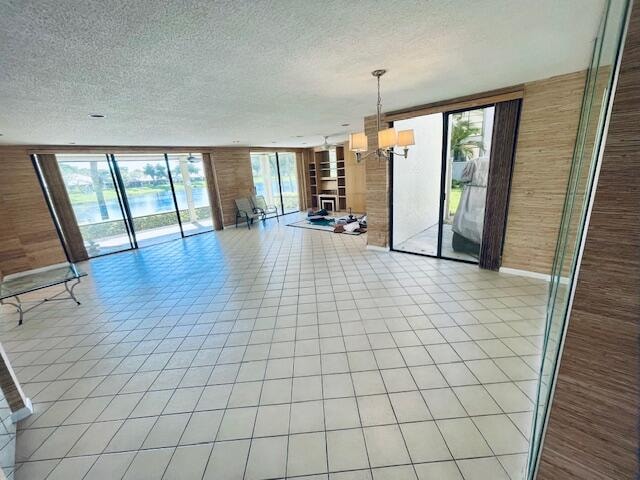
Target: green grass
x=454 y=199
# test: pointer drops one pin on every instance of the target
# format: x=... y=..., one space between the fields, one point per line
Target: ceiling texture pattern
x=262 y=72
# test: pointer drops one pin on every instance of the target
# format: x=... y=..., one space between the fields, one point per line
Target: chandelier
x=388 y=139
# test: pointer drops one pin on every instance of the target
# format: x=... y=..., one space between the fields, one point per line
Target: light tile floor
x=279 y=352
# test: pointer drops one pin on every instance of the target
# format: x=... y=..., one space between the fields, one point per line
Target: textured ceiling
x=259 y=72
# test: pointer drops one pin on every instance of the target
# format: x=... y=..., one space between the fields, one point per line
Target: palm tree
x=98 y=185
x=461 y=146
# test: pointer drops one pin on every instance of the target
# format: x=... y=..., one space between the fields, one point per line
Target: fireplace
x=328 y=202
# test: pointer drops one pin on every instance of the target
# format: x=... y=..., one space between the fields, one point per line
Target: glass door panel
x=469 y=135
x=190 y=185
x=591 y=134
x=288 y=182
x=96 y=203
x=265 y=178
x=149 y=197
x=416 y=187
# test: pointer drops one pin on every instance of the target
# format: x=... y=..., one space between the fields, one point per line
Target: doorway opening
x=439 y=191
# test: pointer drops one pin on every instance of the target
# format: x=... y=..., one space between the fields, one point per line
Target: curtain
x=505 y=129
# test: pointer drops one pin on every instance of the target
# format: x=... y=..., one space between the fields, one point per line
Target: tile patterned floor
x=279 y=352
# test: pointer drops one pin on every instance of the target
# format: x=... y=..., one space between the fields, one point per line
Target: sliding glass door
x=192 y=197
x=149 y=197
x=275 y=177
x=127 y=201
x=264 y=167
x=439 y=190
x=469 y=135
x=288 y=182
x=416 y=188
x=96 y=201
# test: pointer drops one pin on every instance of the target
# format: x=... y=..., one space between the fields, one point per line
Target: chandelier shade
x=358 y=142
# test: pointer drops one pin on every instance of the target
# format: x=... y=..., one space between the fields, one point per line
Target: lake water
x=140 y=205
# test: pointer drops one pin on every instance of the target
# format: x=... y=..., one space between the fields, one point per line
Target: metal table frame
x=19 y=304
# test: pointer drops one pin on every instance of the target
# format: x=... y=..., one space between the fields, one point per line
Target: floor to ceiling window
x=126 y=201
x=149 y=197
x=288 y=181
x=439 y=200
x=96 y=201
x=275 y=177
x=190 y=184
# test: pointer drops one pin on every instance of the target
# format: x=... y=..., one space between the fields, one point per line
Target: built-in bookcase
x=313 y=183
x=327 y=179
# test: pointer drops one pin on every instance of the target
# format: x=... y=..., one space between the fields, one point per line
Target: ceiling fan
x=326 y=145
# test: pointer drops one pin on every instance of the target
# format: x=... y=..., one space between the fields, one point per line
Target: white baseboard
x=526 y=273
x=376 y=248
x=23 y=413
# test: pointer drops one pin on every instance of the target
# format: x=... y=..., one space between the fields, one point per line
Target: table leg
x=70 y=290
x=17 y=305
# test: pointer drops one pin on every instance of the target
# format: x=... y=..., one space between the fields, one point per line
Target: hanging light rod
x=388 y=139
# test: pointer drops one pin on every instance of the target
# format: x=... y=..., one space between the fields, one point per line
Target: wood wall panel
x=28 y=238
x=593 y=425
x=377 y=182
x=356 y=179
x=235 y=179
x=303 y=181
x=546 y=139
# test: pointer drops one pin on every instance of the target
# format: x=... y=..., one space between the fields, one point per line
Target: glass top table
x=13 y=287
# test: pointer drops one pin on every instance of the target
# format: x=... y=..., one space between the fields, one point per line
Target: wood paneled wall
x=232 y=167
x=356 y=179
x=28 y=238
x=593 y=425
x=377 y=182
x=303 y=181
x=546 y=138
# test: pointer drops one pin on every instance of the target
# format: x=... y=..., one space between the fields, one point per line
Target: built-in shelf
x=327 y=178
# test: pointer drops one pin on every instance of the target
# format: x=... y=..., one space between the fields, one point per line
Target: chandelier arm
x=399 y=154
x=368 y=154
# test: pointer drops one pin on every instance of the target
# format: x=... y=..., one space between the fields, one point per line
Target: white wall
x=416 y=179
